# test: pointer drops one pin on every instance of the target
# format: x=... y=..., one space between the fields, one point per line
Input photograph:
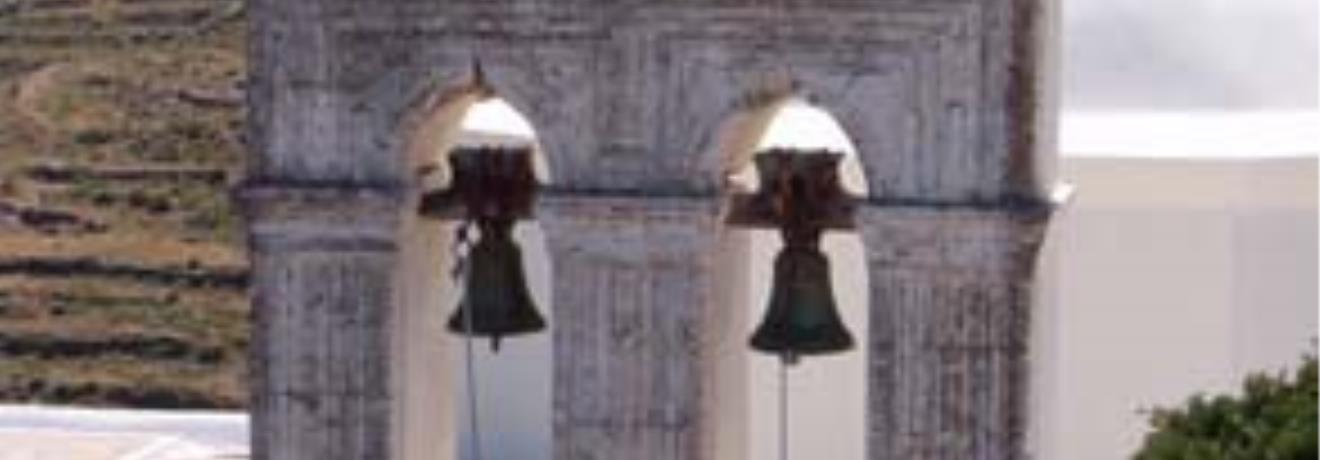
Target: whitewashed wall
x=1172 y=276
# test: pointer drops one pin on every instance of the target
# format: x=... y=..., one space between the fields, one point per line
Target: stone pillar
x=324 y=263
x=425 y=360
x=631 y=280
x=950 y=309
x=725 y=365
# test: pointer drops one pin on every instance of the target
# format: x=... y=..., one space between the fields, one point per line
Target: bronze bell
x=496 y=294
x=802 y=318
x=494 y=187
x=802 y=195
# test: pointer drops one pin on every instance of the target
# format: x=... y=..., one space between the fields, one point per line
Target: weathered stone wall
x=636 y=105
x=949 y=329
x=323 y=293
x=939 y=96
x=631 y=285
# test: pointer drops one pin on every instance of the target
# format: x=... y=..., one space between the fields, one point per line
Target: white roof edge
x=1218 y=135
x=162 y=434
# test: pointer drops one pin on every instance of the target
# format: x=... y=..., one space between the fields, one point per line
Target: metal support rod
x=460 y=273
x=783 y=409
x=472 y=389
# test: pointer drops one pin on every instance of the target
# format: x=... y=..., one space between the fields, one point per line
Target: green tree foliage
x=1273 y=419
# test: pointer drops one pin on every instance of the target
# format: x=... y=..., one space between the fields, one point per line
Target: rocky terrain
x=122 y=275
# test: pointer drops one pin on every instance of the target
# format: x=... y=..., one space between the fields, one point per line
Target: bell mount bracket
x=799 y=188
x=488 y=182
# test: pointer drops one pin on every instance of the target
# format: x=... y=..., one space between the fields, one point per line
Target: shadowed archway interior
x=513 y=384
x=819 y=388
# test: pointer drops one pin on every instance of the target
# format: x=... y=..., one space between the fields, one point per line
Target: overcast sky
x=1191 y=54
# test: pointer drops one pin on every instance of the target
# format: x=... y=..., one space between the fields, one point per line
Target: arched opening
x=512 y=385
x=826 y=394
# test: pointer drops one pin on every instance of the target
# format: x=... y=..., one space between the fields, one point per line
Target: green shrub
x=1273 y=419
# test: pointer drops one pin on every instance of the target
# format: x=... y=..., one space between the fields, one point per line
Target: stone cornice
x=970 y=239
x=605 y=207
x=898 y=234
x=614 y=226
x=298 y=216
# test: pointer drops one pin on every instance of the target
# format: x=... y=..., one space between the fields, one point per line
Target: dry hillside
x=122 y=277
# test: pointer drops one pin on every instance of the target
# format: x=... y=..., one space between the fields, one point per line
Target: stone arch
x=730 y=124
x=737 y=123
x=432 y=123
x=881 y=136
x=913 y=142
x=514 y=384
x=744 y=273
x=826 y=131
x=430 y=411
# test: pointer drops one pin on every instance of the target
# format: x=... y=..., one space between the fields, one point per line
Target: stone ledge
x=312 y=240
x=277 y=198
x=607 y=209
x=970 y=238
x=679 y=229
x=335 y=217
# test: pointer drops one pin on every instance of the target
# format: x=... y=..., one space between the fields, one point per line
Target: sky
x=1191 y=78
x=1191 y=55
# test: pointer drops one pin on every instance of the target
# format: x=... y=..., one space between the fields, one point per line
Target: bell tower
x=642 y=109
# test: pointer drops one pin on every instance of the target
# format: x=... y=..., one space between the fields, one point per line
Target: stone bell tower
x=642 y=108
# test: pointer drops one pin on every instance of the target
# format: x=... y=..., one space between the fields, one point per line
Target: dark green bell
x=496 y=294
x=802 y=318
